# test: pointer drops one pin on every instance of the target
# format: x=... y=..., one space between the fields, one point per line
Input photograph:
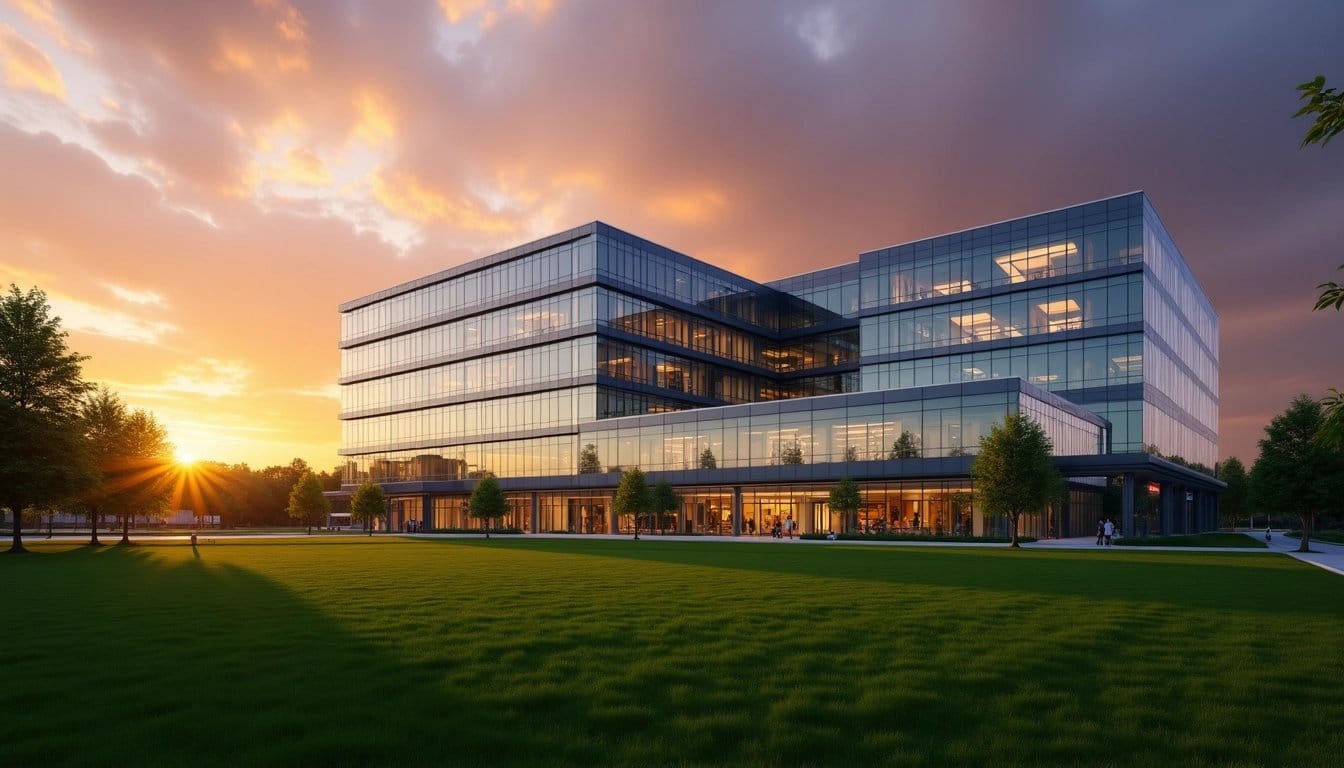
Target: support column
x=536 y=513
x=427 y=512
x=737 y=510
x=1127 y=506
x=1167 y=498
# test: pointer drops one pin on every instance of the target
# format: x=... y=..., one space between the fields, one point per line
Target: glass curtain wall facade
x=594 y=350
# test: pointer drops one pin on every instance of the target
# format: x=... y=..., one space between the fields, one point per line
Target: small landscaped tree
x=791 y=454
x=960 y=502
x=905 y=447
x=306 y=502
x=846 y=500
x=664 y=500
x=707 y=460
x=487 y=501
x=132 y=457
x=589 y=462
x=633 y=496
x=1013 y=472
x=368 y=504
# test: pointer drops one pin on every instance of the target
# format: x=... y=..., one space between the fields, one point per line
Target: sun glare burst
x=185 y=458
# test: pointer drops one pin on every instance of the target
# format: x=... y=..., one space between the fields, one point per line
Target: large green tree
x=487 y=502
x=43 y=458
x=1233 y=502
x=1296 y=473
x=133 y=459
x=1013 y=472
x=846 y=500
x=306 y=502
x=1327 y=104
x=368 y=504
x=633 y=496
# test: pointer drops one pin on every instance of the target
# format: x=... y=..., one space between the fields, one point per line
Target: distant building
x=557 y=363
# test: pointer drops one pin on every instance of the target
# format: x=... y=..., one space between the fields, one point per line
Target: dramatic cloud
x=209 y=180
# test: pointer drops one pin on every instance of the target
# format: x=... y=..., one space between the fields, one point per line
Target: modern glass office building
x=556 y=364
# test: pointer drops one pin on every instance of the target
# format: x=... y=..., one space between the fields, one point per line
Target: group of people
x=1105 y=531
x=783 y=528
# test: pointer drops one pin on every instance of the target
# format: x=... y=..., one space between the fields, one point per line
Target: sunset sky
x=197 y=186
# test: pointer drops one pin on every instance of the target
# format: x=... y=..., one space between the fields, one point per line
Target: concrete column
x=427 y=511
x=737 y=510
x=536 y=512
x=1127 y=506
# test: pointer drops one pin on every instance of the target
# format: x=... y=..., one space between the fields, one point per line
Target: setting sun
x=184 y=458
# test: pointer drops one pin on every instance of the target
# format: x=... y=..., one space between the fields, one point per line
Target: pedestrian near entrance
x=1100 y=531
x=1108 y=530
x=788 y=527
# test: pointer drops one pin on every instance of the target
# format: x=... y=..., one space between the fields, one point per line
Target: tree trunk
x=17 y=546
x=93 y=530
x=1013 y=517
x=1305 y=544
x=125 y=529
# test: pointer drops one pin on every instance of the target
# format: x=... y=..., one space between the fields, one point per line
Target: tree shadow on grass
x=165 y=654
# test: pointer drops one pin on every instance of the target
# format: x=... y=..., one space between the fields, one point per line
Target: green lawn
x=583 y=652
x=1234 y=540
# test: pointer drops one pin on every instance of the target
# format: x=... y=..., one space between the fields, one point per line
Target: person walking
x=1108 y=530
x=788 y=527
x=1100 y=531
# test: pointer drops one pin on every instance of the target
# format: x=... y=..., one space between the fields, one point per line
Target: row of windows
x=1173 y=438
x=1126 y=418
x=1165 y=264
x=929 y=428
x=1069 y=433
x=535 y=366
x=535 y=457
x=1042 y=311
x=1169 y=324
x=1170 y=379
x=887 y=281
x=931 y=506
x=538 y=270
x=656 y=271
x=463 y=337
x=539 y=410
x=693 y=377
x=1061 y=365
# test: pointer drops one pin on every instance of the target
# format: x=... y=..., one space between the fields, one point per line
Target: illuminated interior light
x=947 y=289
x=1034 y=263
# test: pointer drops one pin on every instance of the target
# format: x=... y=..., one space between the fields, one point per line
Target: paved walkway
x=1323 y=555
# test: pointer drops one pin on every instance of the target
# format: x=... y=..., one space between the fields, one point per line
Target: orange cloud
x=27 y=67
x=408 y=197
x=696 y=206
x=305 y=167
x=487 y=12
x=376 y=124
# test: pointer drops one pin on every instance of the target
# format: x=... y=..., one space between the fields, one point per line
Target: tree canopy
x=1327 y=105
x=133 y=459
x=1232 y=504
x=1013 y=472
x=368 y=504
x=1295 y=472
x=43 y=457
x=487 y=502
x=846 y=500
x=306 y=502
x=633 y=496
x=663 y=499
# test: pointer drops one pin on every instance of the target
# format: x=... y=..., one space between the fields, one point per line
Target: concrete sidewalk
x=1322 y=555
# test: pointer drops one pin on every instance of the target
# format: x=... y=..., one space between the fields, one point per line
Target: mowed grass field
x=583 y=652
